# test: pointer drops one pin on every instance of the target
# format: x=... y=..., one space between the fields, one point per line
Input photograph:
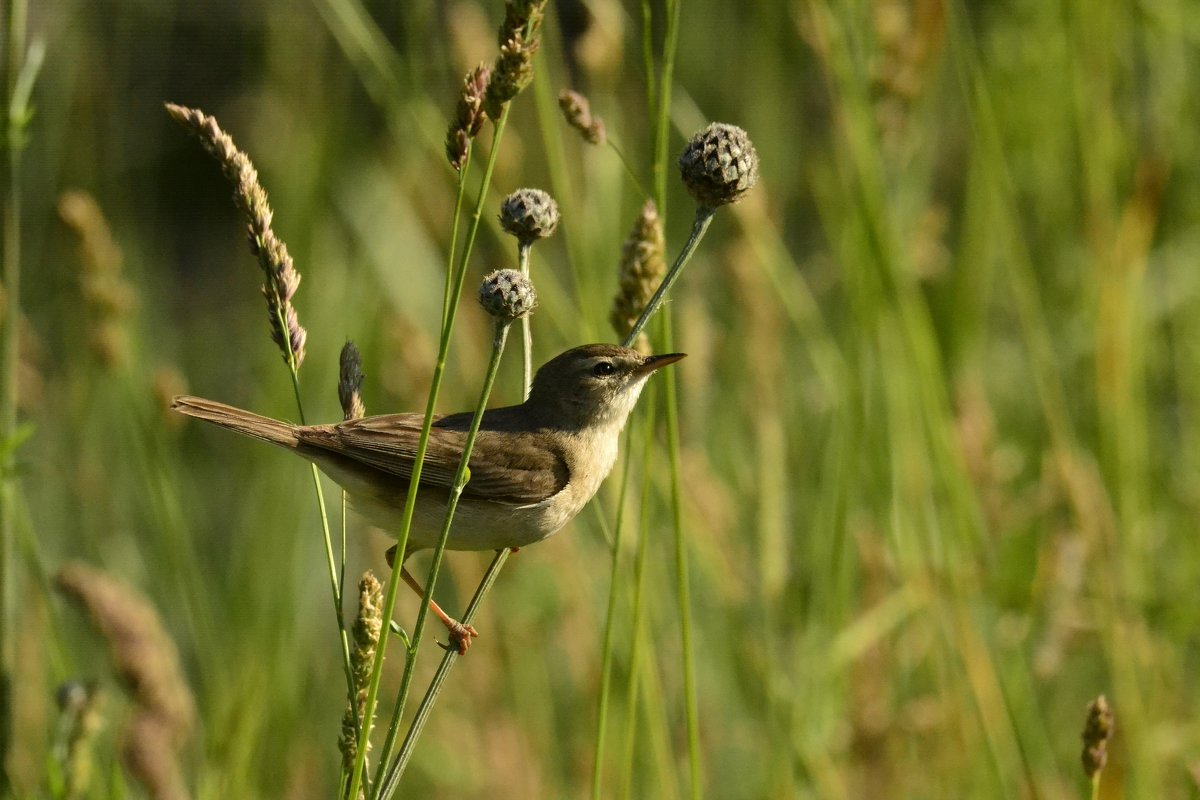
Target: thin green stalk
x=414 y=482
x=459 y=194
x=699 y=227
x=637 y=184
x=396 y=770
x=682 y=588
x=21 y=66
x=460 y=480
x=606 y=659
x=1095 y=793
x=703 y=218
x=334 y=583
x=635 y=650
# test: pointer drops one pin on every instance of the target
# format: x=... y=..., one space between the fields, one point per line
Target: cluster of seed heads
x=367 y=626
x=507 y=295
x=719 y=165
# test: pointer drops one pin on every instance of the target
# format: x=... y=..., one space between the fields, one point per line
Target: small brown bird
x=533 y=467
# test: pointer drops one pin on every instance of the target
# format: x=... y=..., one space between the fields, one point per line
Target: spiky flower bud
x=468 y=115
x=350 y=381
x=578 y=114
x=507 y=295
x=719 y=165
x=529 y=215
x=642 y=270
x=1097 y=730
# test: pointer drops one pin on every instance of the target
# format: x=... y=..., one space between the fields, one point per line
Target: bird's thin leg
x=460 y=635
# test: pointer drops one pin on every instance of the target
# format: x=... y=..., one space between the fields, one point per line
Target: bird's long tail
x=235 y=419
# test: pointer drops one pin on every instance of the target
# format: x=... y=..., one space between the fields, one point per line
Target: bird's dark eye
x=604 y=368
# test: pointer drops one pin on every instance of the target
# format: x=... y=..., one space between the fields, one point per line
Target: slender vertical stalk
x=526 y=332
x=639 y=608
x=415 y=481
x=682 y=588
x=460 y=480
x=392 y=780
x=610 y=618
x=700 y=225
x=9 y=328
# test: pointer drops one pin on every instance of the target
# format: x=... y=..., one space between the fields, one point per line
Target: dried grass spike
x=642 y=268
x=142 y=653
x=468 y=116
x=367 y=626
x=281 y=277
x=578 y=114
x=1097 y=730
x=350 y=382
x=512 y=72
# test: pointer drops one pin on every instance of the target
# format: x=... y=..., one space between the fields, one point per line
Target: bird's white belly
x=477 y=525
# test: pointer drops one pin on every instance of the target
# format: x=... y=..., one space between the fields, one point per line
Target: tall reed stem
x=21 y=67
x=414 y=483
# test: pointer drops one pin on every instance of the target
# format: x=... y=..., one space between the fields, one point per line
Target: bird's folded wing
x=511 y=468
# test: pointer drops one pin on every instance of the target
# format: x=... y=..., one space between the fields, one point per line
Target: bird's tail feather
x=235 y=419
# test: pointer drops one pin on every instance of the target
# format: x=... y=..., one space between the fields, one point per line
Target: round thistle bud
x=507 y=295
x=529 y=215
x=719 y=165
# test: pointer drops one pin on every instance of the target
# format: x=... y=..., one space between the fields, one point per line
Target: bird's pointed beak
x=653 y=363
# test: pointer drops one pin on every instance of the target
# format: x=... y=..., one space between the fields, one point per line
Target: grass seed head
x=642 y=268
x=578 y=114
x=1097 y=731
x=350 y=381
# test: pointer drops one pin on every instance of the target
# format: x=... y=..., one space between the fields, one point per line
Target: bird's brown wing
x=510 y=467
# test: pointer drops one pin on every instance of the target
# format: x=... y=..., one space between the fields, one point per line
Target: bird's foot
x=460 y=636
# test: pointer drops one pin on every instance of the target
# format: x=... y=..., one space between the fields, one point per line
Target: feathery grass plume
x=1097 y=730
x=507 y=295
x=108 y=298
x=350 y=382
x=643 y=265
x=80 y=705
x=366 y=636
x=143 y=654
x=578 y=113
x=529 y=215
x=468 y=116
x=282 y=279
x=150 y=758
x=146 y=660
x=719 y=165
x=519 y=41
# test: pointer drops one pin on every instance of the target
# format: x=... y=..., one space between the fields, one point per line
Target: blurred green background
x=940 y=438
